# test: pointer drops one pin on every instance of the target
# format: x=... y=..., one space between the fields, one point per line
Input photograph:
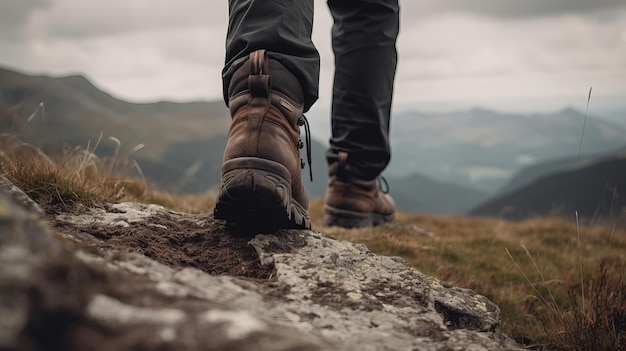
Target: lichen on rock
x=173 y=281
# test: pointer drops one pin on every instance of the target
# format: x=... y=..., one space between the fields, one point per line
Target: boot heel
x=346 y=219
x=256 y=192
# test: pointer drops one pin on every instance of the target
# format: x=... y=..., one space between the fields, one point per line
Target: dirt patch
x=209 y=245
x=329 y=294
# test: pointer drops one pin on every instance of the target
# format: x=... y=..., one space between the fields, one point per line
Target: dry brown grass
x=77 y=178
x=531 y=269
x=543 y=312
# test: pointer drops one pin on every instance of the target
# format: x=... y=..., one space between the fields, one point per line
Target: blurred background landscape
x=476 y=161
x=488 y=119
x=488 y=113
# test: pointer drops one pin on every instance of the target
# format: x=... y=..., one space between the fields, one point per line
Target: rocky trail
x=129 y=276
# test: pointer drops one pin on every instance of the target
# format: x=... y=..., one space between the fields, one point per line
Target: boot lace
x=382 y=184
x=302 y=121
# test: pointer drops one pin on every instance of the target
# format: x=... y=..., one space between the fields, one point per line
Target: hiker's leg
x=364 y=42
x=283 y=28
x=270 y=79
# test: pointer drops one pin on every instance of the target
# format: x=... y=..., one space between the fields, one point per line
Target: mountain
x=195 y=165
x=482 y=149
x=417 y=193
x=184 y=142
x=531 y=173
x=75 y=111
x=441 y=163
x=594 y=191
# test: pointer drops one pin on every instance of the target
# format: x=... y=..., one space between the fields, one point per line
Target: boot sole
x=256 y=193
x=352 y=219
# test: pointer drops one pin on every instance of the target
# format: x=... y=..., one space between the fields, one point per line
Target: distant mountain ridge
x=537 y=171
x=184 y=142
x=76 y=111
x=482 y=149
x=418 y=193
x=593 y=190
x=441 y=163
x=204 y=156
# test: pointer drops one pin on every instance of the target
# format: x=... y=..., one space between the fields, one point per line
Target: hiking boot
x=354 y=203
x=261 y=174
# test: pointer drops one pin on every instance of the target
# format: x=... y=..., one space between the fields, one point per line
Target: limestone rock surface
x=139 y=277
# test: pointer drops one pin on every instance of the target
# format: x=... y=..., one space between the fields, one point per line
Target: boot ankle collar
x=341 y=169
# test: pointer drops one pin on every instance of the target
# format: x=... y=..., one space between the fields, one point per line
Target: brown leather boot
x=354 y=203
x=261 y=174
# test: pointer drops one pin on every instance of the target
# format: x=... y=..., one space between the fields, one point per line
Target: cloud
x=493 y=47
x=490 y=61
x=76 y=19
x=15 y=13
x=477 y=51
x=138 y=50
x=511 y=9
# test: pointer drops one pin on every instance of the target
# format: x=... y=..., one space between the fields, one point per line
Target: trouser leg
x=364 y=42
x=283 y=28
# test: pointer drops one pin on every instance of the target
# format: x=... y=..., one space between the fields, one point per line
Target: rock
x=172 y=281
x=25 y=246
x=19 y=196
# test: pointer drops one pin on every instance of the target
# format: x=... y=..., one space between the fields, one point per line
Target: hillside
x=594 y=191
x=482 y=148
x=184 y=142
x=441 y=163
x=531 y=173
x=417 y=193
x=195 y=165
x=75 y=111
x=84 y=272
x=86 y=282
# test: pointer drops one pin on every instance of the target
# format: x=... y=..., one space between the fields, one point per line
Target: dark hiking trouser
x=364 y=42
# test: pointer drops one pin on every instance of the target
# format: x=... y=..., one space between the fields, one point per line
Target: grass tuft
x=592 y=316
x=532 y=269
x=600 y=324
x=78 y=178
x=64 y=183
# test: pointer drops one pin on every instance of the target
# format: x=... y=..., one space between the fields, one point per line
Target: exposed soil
x=58 y=300
x=62 y=289
x=209 y=245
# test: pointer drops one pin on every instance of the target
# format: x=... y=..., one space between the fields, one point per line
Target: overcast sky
x=514 y=55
